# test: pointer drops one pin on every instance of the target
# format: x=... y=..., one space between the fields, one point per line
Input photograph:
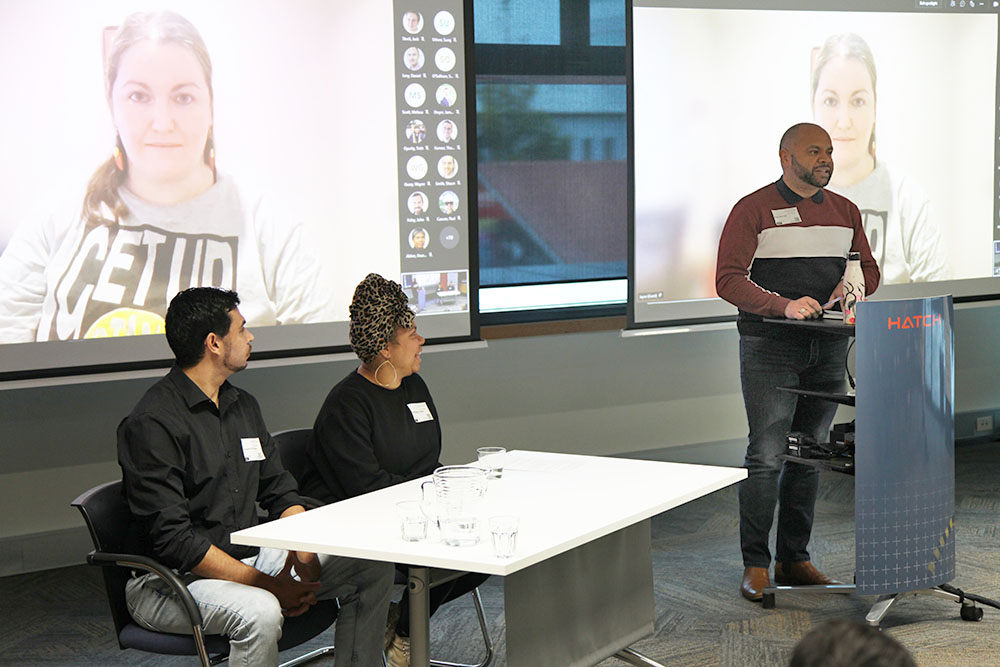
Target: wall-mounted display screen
x=281 y=149
x=907 y=92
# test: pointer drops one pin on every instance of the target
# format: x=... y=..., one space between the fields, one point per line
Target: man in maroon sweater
x=782 y=254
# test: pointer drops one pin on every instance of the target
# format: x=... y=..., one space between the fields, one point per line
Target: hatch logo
x=914 y=322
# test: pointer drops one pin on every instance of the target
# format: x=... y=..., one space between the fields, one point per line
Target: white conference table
x=578 y=590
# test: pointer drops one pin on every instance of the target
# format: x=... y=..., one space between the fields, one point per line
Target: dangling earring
x=119 y=158
x=211 y=159
x=395 y=375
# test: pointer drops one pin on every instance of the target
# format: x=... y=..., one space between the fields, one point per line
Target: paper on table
x=532 y=462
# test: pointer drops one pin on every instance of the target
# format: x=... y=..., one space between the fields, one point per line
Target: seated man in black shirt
x=196 y=457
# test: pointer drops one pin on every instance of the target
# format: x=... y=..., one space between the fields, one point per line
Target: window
x=607 y=22
x=518 y=21
x=551 y=132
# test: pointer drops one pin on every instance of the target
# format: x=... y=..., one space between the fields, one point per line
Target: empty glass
x=504 y=532
x=412 y=522
x=489 y=458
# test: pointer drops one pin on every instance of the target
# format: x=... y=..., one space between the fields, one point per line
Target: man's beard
x=234 y=365
x=808 y=176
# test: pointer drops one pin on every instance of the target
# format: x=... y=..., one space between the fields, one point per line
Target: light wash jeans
x=251 y=617
x=766 y=364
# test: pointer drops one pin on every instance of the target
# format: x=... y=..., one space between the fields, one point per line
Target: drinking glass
x=504 y=531
x=489 y=457
x=412 y=522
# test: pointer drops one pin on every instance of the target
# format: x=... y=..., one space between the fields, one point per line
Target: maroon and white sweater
x=777 y=247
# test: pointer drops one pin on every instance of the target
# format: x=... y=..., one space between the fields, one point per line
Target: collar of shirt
x=794 y=198
x=193 y=395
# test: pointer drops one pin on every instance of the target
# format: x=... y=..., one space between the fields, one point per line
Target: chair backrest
x=293 y=448
x=106 y=513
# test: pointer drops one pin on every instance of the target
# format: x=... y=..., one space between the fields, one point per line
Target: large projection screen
x=716 y=83
x=336 y=140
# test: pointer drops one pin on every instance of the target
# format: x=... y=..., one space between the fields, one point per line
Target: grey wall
x=594 y=393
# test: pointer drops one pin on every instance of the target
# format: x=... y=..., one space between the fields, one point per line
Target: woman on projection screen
x=157 y=216
x=904 y=237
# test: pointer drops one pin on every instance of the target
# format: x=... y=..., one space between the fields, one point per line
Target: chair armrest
x=137 y=562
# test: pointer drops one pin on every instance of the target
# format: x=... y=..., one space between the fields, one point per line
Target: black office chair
x=107 y=516
x=293 y=447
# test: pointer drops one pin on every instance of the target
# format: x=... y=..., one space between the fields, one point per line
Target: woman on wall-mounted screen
x=157 y=216
x=379 y=427
x=904 y=237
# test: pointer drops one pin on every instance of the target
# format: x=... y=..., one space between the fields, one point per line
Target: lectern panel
x=905 y=442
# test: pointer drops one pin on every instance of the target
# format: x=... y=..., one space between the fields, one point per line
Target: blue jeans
x=765 y=365
x=251 y=617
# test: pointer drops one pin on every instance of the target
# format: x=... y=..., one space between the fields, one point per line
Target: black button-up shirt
x=185 y=472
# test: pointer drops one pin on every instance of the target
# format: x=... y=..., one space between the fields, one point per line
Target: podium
x=904 y=462
x=904 y=490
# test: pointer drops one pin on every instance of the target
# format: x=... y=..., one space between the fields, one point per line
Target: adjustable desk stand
x=904 y=450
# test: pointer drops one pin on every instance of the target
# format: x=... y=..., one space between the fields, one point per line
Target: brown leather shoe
x=755 y=580
x=800 y=574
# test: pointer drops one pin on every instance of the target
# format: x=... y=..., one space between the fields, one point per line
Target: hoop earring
x=395 y=375
x=119 y=158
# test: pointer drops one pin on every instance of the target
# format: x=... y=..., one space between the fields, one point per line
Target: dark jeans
x=765 y=365
x=438 y=595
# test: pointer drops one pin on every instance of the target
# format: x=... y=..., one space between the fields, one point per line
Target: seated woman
x=379 y=427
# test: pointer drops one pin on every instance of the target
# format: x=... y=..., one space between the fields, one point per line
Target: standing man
x=783 y=253
x=196 y=457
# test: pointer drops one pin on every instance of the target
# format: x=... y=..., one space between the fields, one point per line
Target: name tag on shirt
x=420 y=412
x=785 y=216
x=252 y=450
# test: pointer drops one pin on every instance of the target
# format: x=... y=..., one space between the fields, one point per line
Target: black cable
x=962 y=595
x=850 y=378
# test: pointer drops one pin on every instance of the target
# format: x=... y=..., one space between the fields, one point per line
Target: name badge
x=420 y=412
x=785 y=216
x=252 y=450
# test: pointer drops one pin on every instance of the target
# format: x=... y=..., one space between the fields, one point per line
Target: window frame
x=573 y=58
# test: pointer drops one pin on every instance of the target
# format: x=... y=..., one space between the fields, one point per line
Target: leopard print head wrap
x=379 y=307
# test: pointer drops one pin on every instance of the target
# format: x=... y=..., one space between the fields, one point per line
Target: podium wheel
x=971 y=613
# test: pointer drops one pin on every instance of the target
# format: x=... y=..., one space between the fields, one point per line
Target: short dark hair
x=842 y=643
x=192 y=315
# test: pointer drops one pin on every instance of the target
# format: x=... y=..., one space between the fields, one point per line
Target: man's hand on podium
x=806 y=308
